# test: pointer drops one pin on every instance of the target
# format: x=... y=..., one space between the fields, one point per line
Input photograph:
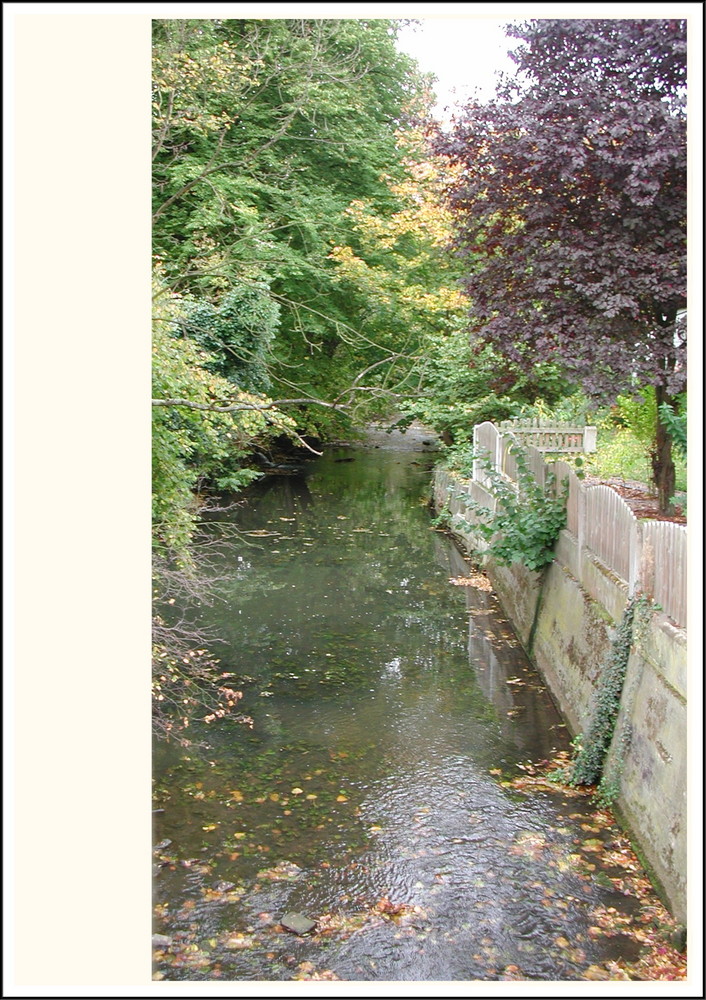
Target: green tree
x=265 y=132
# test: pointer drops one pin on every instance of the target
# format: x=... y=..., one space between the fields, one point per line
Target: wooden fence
x=663 y=566
x=650 y=557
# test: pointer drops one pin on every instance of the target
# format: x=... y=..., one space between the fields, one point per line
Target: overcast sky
x=464 y=53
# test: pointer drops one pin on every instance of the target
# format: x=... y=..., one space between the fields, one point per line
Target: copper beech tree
x=570 y=208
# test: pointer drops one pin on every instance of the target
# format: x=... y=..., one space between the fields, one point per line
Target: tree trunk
x=661 y=454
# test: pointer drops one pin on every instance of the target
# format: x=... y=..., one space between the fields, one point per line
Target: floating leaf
x=239 y=940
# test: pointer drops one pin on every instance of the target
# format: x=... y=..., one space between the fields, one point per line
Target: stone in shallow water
x=297 y=923
x=223 y=886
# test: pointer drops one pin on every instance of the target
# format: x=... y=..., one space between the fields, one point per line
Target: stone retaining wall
x=566 y=630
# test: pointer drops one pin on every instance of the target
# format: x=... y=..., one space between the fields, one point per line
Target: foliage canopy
x=570 y=204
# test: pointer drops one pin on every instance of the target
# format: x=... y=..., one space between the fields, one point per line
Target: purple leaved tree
x=569 y=202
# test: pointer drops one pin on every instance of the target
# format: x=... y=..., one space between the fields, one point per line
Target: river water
x=370 y=794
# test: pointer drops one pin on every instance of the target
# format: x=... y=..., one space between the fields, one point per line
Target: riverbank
x=567 y=629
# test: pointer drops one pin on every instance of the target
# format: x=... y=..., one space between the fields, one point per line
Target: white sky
x=464 y=53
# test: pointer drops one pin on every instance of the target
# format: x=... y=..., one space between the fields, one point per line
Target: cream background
x=77 y=729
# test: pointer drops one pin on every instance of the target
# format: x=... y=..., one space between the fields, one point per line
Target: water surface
x=387 y=707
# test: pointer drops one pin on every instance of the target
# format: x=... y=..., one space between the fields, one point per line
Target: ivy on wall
x=593 y=747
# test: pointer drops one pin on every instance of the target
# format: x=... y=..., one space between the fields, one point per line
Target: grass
x=621 y=455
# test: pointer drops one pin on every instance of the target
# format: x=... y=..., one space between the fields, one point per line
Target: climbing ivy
x=528 y=517
x=676 y=428
x=609 y=785
x=593 y=747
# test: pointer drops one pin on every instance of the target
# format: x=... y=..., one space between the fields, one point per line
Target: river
x=370 y=794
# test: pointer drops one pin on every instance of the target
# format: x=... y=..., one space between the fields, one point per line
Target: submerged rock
x=297 y=923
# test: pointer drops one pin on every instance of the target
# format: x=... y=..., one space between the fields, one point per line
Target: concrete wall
x=567 y=629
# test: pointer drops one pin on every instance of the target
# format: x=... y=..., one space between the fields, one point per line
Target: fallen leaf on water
x=476 y=580
x=512 y=972
x=282 y=871
x=592 y=844
x=238 y=940
x=617 y=972
x=595 y=972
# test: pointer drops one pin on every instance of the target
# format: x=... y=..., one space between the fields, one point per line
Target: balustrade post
x=590 y=435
